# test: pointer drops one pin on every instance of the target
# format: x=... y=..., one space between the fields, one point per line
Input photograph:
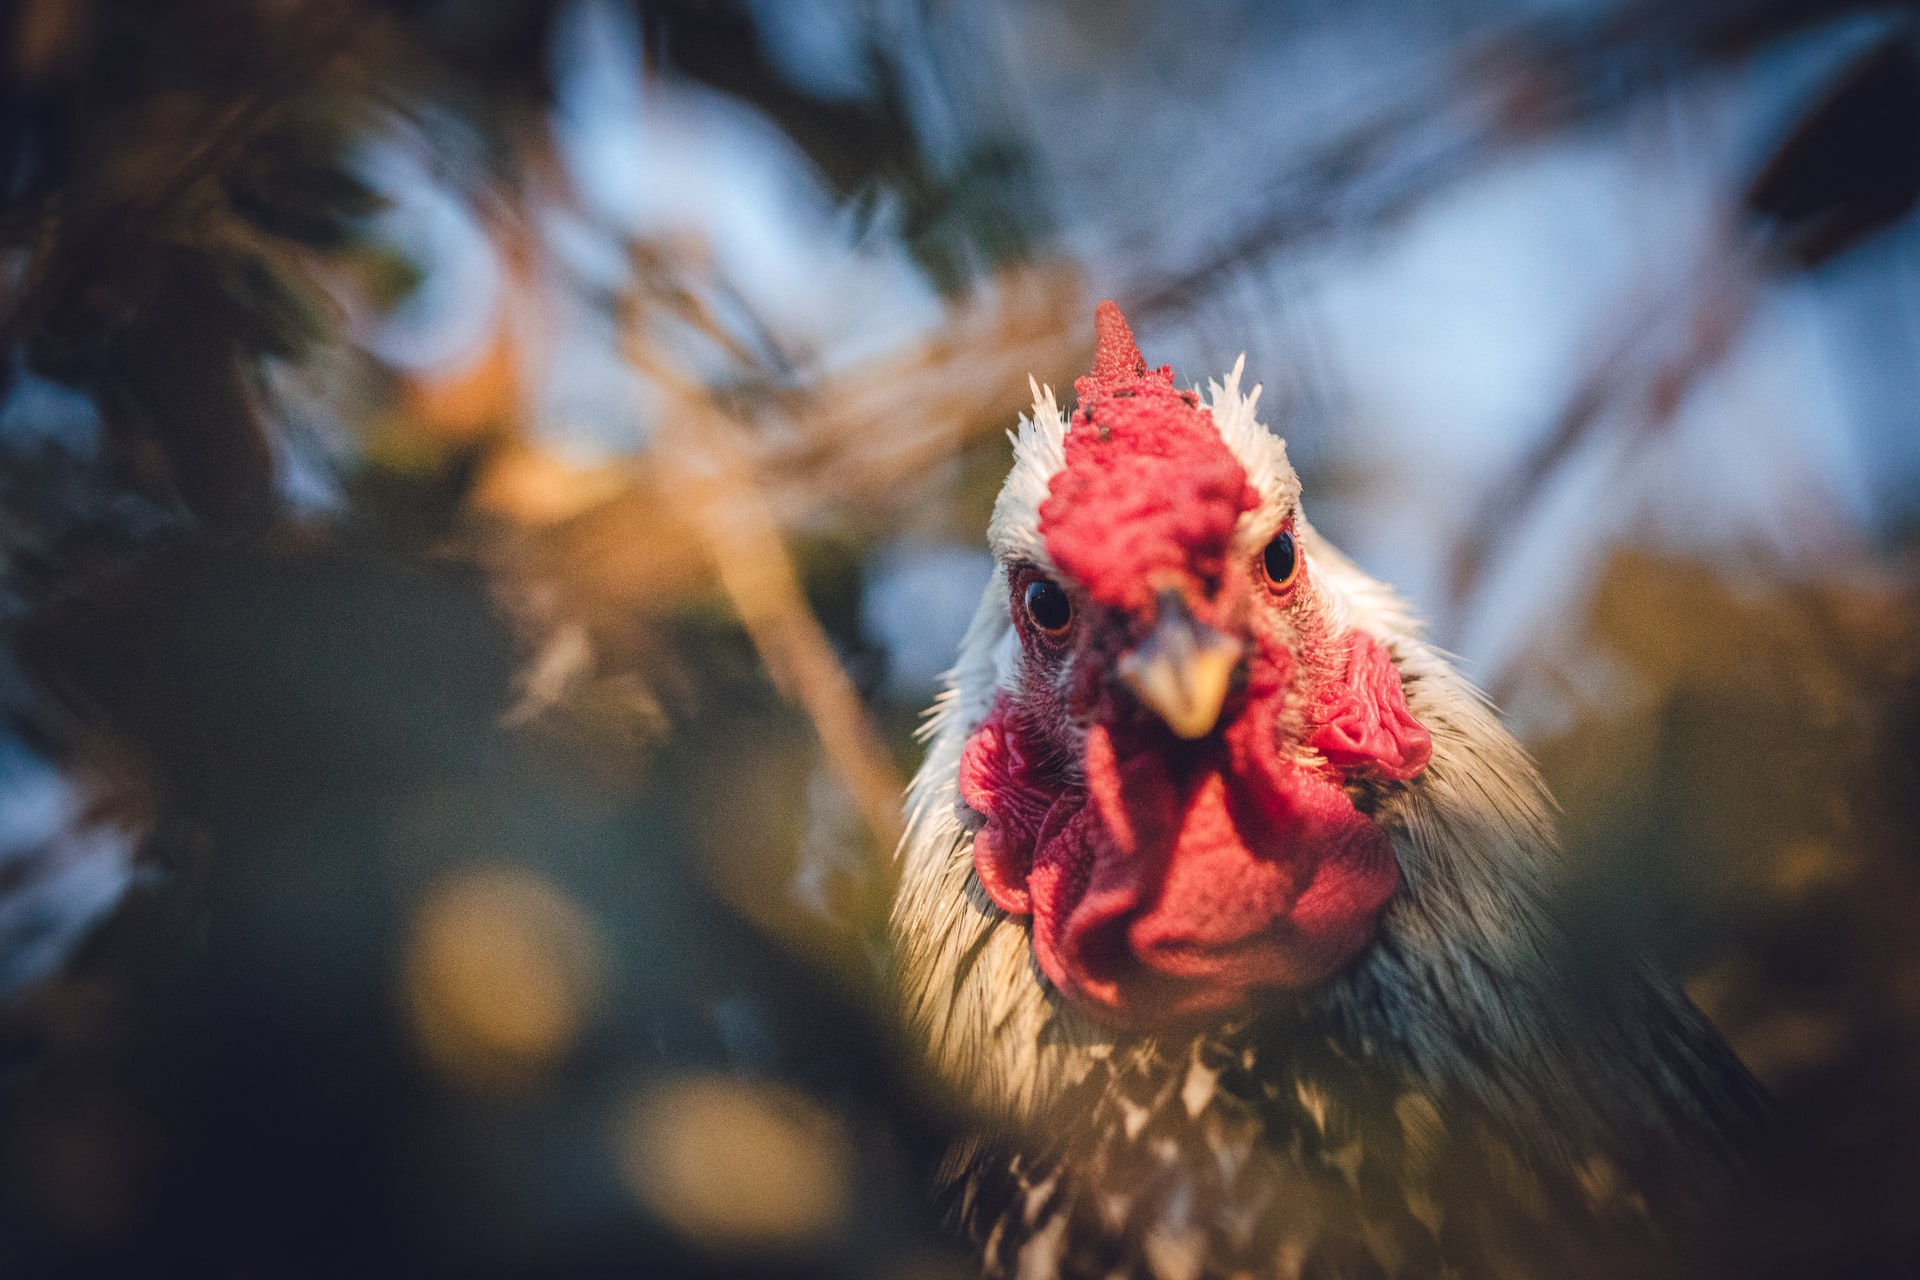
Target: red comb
x=1116 y=357
x=1149 y=493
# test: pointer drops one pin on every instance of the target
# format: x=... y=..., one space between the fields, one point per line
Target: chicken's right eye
x=1048 y=607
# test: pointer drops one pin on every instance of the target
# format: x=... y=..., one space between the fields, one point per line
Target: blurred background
x=487 y=489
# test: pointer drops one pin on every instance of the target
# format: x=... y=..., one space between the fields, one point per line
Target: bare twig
x=711 y=477
x=847 y=439
x=862 y=441
x=1637 y=387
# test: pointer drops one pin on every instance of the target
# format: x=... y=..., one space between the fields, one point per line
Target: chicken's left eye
x=1048 y=607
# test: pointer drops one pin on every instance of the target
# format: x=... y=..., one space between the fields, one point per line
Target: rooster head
x=1173 y=780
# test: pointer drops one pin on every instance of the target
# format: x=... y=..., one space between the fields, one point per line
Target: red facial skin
x=1168 y=879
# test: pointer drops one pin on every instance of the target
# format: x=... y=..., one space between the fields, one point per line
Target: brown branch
x=863 y=441
x=710 y=475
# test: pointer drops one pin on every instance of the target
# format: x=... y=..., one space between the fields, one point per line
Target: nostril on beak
x=1182 y=670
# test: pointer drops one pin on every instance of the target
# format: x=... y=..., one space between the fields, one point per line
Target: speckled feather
x=1453 y=1103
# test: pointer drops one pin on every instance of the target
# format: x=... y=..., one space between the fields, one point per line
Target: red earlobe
x=1364 y=722
x=992 y=772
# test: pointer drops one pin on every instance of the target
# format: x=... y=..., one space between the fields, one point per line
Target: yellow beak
x=1181 y=671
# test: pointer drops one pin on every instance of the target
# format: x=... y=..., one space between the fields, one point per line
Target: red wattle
x=997 y=781
x=1172 y=879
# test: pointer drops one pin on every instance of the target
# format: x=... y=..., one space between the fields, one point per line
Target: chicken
x=1227 y=904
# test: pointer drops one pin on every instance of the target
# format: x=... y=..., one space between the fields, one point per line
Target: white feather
x=1039 y=451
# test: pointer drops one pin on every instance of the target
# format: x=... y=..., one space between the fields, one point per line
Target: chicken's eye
x=1282 y=560
x=1048 y=607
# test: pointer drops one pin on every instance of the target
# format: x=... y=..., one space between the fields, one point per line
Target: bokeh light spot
x=736 y=1165
x=503 y=973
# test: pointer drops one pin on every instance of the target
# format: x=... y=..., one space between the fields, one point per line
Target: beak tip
x=1194 y=729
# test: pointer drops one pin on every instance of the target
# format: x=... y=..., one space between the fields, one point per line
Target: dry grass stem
x=711 y=478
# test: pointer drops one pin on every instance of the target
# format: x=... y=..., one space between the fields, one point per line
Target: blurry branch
x=1850 y=167
x=1465 y=113
x=1784 y=710
x=314 y=36
x=743 y=471
x=158 y=224
x=871 y=433
x=1636 y=388
x=310 y=43
x=862 y=442
x=1375 y=171
x=1541 y=79
x=709 y=475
